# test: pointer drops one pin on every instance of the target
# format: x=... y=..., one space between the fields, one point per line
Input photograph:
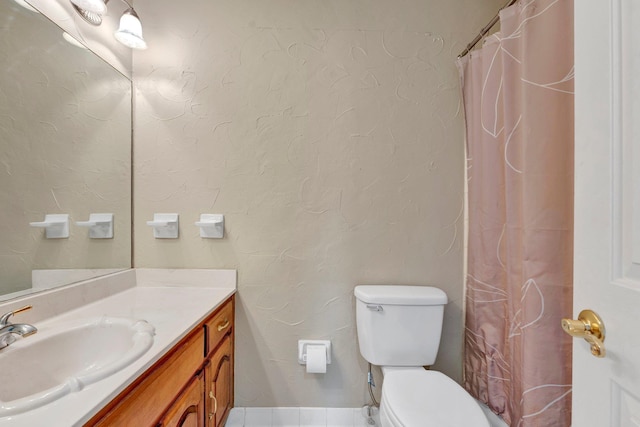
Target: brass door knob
x=590 y=327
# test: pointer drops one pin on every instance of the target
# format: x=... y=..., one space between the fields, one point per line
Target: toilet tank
x=399 y=325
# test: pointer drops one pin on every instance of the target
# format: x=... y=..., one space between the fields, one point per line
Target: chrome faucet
x=9 y=330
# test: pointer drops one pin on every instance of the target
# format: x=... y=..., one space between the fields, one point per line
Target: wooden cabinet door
x=149 y=399
x=219 y=379
x=188 y=410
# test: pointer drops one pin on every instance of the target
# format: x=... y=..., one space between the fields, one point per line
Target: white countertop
x=172 y=310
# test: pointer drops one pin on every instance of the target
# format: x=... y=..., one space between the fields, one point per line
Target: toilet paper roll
x=316 y=359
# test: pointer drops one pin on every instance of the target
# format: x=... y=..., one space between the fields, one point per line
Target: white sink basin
x=63 y=359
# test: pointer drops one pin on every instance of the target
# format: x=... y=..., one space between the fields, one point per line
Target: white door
x=606 y=392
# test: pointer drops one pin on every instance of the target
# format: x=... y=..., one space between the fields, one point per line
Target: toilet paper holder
x=302 y=349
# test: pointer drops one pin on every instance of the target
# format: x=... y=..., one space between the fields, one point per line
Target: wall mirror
x=65 y=148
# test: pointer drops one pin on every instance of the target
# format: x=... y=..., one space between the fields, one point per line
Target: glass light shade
x=130 y=31
x=95 y=6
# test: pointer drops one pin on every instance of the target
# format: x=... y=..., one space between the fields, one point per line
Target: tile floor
x=298 y=417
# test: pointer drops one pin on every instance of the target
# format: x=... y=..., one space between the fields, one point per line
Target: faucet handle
x=4 y=319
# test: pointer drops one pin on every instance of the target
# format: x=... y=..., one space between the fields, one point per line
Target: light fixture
x=90 y=10
x=130 y=31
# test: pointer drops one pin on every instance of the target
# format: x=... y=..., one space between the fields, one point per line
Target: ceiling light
x=130 y=31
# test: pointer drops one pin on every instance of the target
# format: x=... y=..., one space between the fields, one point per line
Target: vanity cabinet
x=219 y=384
x=191 y=386
x=188 y=410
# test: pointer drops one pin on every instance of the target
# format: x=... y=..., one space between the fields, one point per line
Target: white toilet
x=399 y=329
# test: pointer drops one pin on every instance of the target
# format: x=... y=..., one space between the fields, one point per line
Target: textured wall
x=329 y=134
x=65 y=130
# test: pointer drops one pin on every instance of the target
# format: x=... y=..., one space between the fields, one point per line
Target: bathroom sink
x=63 y=359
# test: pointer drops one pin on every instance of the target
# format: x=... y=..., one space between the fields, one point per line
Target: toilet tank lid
x=400 y=295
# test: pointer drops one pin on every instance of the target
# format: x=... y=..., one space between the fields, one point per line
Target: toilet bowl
x=399 y=329
x=419 y=398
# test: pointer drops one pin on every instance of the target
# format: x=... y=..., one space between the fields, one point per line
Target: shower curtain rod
x=484 y=30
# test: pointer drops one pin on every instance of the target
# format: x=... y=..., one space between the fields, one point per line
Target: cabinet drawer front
x=188 y=409
x=144 y=405
x=219 y=326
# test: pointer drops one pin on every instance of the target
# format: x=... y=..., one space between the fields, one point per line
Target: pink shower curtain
x=518 y=102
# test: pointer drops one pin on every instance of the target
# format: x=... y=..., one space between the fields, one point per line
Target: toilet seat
x=421 y=398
